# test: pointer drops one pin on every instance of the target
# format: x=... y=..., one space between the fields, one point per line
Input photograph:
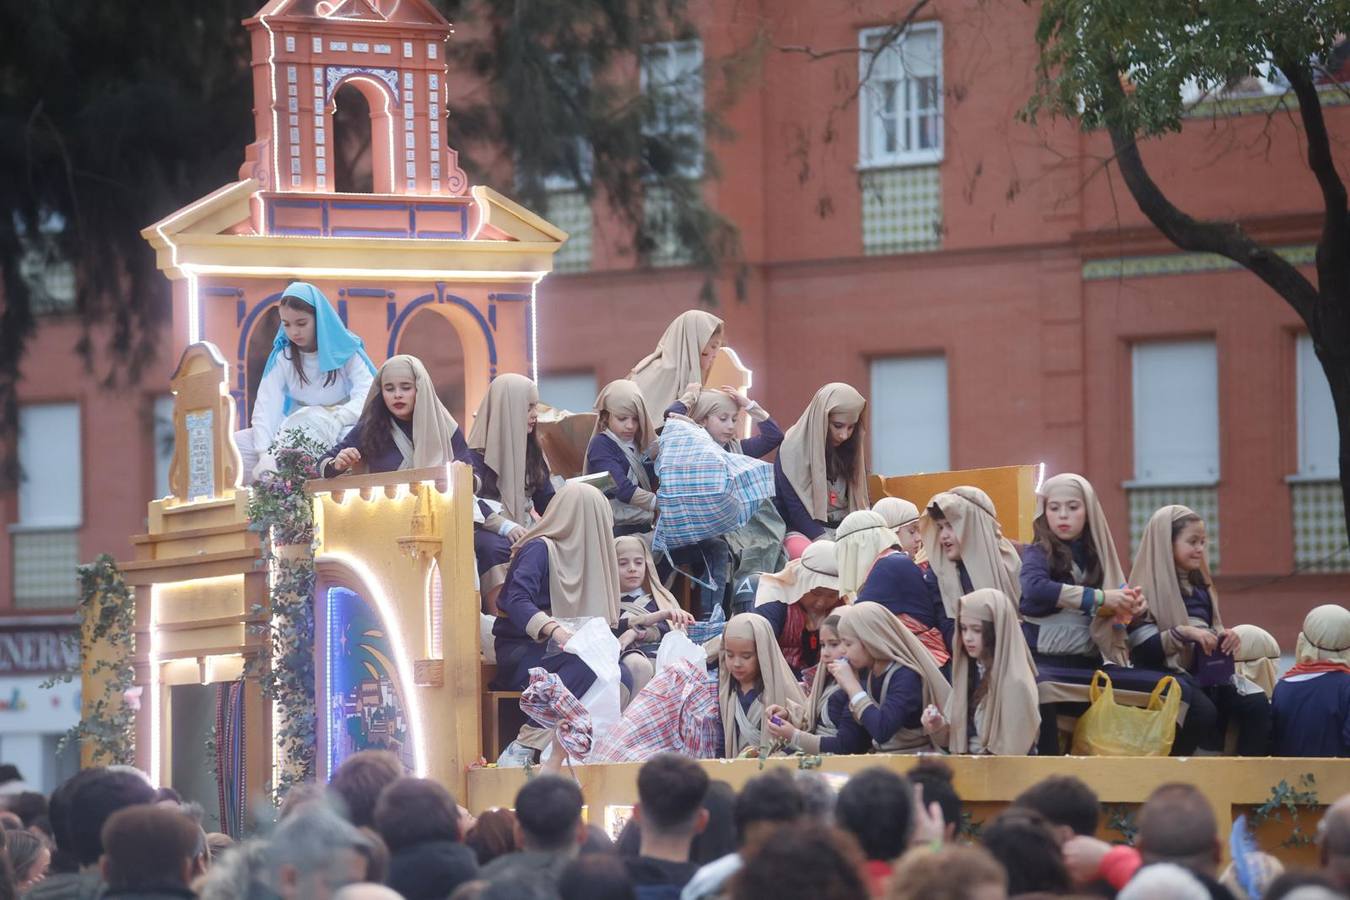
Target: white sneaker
x=516 y=756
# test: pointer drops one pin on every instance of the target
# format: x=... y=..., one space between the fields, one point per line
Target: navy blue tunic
x=1150 y=653
x=524 y=594
x=391 y=459
x=604 y=455
x=852 y=738
x=902 y=707
x=1312 y=715
x=790 y=506
x=898 y=584
x=488 y=488
x=1040 y=590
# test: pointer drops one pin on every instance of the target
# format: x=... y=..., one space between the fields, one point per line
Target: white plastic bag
x=677 y=645
x=598 y=648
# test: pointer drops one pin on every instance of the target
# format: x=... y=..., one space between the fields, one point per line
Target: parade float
x=275 y=630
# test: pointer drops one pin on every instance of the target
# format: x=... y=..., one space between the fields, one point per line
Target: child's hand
x=929 y=827
x=775 y=710
x=785 y=731
x=933 y=720
x=346 y=458
x=742 y=402
x=1207 y=639
x=628 y=639
x=843 y=673
x=1230 y=642
x=680 y=619
x=515 y=535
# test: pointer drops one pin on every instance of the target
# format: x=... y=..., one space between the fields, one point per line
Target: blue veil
x=335 y=343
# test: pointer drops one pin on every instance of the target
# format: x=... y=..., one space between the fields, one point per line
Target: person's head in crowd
x=239 y=872
x=876 y=806
x=719 y=837
x=1333 y=842
x=515 y=886
x=1303 y=884
x=818 y=796
x=9 y=772
x=10 y=821
x=415 y=810
x=58 y=811
x=671 y=790
x=596 y=876
x=148 y=847
x=1164 y=881
x=366 y=891
x=218 y=842
x=1264 y=869
x=1066 y=803
x=375 y=852
x=548 y=816
x=359 y=780
x=597 y=840
x=168 y=795
x=8 y=887
x=95 y=801
x=1177 y=825
x=312 y=853
x=301 y=794
x=952 y=873
x=29 y=806
x=28 y=857
x=1022 y=841
x=932 y=780
x=493 y=835
x=766 y=803
x=469 y=890
x=805 y=861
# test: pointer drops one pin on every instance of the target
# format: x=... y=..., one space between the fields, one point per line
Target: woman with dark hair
x=1022 y=841
x=493 y=835
x=316 y=379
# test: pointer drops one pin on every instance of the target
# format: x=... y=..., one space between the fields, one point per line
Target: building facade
x=988 y=284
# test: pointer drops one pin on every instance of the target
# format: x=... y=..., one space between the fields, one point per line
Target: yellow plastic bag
x=1110 y=729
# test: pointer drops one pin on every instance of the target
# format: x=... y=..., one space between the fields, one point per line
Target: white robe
x=326 y=412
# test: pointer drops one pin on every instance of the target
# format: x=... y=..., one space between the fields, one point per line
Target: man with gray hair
x=313 y=853
x=1164 y=881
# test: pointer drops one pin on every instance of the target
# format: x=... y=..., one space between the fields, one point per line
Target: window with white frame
x=900 y=101
x=46 y=537
x=164 y=440
x=908 y=415
x=672 y=80
x=1317 y=438
x=572 y=391
x=1176 y=413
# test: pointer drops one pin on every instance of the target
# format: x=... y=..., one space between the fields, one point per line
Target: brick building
x=988 y=284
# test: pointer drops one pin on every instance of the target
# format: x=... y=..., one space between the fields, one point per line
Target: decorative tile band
x=1181 y=263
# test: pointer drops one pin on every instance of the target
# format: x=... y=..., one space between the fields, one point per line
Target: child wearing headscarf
x=621 y=445
x=821 y=473
x=753 y=676
x=829 y=728
x=684 y=356
x=717 y=411
x=316 y=379
x=899 y=674
x=1312 y=700
x=647 y=611
x=1182 y=621
x=513 y=476
x=994 y=706
x=872 y=566
x=403 y=425
x=797 y=600
x=1257 y=657
x=966 y=548
x=902 y=517
x=565 y=567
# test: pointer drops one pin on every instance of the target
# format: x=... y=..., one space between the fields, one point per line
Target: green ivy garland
x=1285 y=798
x=107 y=619
x=283 y=513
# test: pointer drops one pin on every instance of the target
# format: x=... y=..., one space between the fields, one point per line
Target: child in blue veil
x=316 y=379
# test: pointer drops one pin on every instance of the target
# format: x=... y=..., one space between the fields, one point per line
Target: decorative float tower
x=395 y=640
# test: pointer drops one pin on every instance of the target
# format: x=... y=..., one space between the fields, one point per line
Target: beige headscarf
x=816 y=568
x=780 y=685
x=802 y=453
x=651 y=582
x=583 y=569
x=432 y=425
x=821 y=683
x=675 y=363
x=1009 y=721
x=500 y=433
x=715 y=400
x=1112 y=642
x=1155 y=570
x=1325 y=636
x=896 y=511
x=990 y=559
x=1258 y=656
x=881 y=634
x=861 y=538
x=624 y=398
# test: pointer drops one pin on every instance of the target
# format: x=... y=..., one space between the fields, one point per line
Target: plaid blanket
x=550 y=704
x=705 y=491
x=677 y=711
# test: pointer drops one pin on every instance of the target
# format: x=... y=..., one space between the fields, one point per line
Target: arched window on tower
x=353 y=162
